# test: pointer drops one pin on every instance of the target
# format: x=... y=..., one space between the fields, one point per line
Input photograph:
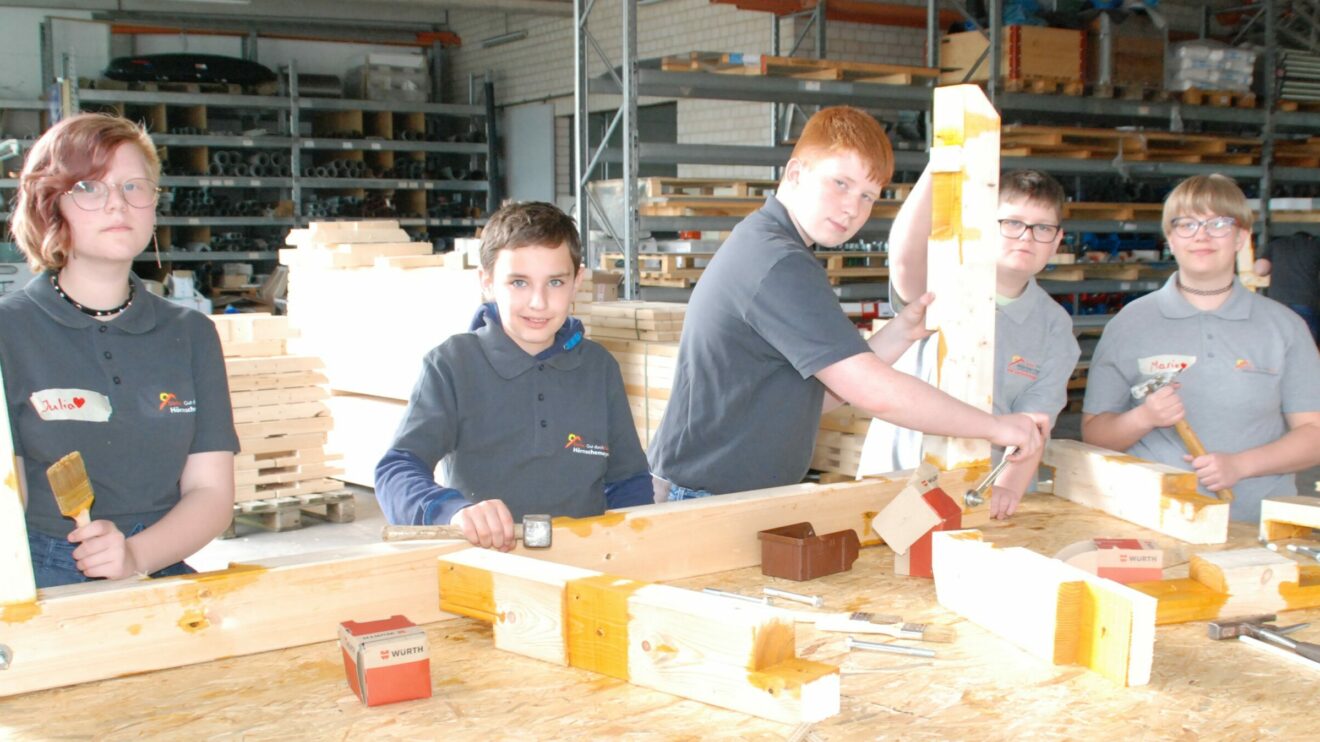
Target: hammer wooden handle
x=423 y=533
x=1196 y=449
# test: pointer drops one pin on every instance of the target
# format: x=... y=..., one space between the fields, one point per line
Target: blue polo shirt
x=135 y=395
x=1251 y=362
x=550 y=433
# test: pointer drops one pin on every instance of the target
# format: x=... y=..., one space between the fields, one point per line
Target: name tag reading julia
x=71 y=404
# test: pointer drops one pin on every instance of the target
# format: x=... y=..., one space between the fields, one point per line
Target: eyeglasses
x=1013 y=229
x=1186 y=226
x=92 y=195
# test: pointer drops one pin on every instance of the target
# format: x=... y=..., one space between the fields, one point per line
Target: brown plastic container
x=795 y=552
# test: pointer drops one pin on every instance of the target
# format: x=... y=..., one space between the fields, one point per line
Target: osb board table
x=979 y=687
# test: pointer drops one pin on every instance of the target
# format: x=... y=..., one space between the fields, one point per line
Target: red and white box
x=1123 y=560
x=386 y=661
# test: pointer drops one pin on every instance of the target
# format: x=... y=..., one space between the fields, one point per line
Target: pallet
x=286 y=513
x=681 y=270
x=1217 y=98
x=765 y=65
x=1119 y=212
x=1131 y=91
x=1044 y=85
x=1088 y=143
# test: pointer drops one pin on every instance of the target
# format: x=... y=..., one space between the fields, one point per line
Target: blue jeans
x=677 y=493
x=53 y=563
x=1309 y=314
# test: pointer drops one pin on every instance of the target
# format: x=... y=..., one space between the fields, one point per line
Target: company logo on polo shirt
x=1022 y=367
x=578 y=445
x=170 y=401
x=1151 y=365
x=1243 y=364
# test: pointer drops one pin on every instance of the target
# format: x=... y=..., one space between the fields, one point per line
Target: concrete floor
x=253 y=543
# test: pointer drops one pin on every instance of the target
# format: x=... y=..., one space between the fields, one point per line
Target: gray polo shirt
x=745 y=404
x=1035 y=354
x=544 y=436
x=136 y=395
x=1254 y=363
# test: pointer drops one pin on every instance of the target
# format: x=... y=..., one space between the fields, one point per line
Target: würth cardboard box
x=1122 y=560
x=386 y=661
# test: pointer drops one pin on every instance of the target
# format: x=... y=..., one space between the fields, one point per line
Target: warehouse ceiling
x=345 y=11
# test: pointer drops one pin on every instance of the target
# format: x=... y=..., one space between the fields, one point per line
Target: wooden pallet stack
x=839 y=442
x=643 y=338
x=279 y=411
x=1021 y=140
x=683 y=270
x=371 y=303
x=765 y=65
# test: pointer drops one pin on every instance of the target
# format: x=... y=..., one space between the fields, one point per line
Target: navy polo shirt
x=745 y=405
x=545 y=434
x=1249 y=362
x=135 y=395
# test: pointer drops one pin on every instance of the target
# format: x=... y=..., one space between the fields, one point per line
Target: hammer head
x=537 y=532
x=1153 y=384
x=1232 y=628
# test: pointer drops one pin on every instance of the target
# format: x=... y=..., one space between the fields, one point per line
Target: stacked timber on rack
x=1034 y=59
x=1082 y=143
x=682 y=270
x=720 y=197
x=765 y=65
x=371 y=303
x=839 y=442
x=643 y=337
x=279 y=411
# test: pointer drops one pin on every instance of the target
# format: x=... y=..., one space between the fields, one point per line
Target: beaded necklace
x=55 y=283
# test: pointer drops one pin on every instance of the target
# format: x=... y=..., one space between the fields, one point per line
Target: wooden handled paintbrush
x=72 y=488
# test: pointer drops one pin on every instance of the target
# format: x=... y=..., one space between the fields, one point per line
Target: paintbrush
x=874 y=623
x=72 y=488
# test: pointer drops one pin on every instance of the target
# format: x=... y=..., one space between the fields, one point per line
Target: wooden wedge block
x=1155 y=496
x=1057 y=612
x=678 y=641
x=1289 y=517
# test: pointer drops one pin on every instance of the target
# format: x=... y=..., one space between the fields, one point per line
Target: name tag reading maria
x=71 y=404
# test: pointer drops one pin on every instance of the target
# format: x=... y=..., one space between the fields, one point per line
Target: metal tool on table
x=1258 y=627
x=763 y=600
x=852 y=643
x=1189 y=437
x=535 y=532
x=975 y=497
x=815 y=601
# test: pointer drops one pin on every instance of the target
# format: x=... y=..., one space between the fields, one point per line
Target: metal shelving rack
x=631 y=79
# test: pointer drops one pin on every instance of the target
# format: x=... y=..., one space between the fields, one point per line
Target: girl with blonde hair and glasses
x=94 y=363
x=1245 y=365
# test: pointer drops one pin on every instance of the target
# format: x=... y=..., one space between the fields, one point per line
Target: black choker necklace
x=55 y=282
x=1197 y=292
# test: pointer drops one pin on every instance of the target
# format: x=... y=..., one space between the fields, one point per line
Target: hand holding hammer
x=1150 y=386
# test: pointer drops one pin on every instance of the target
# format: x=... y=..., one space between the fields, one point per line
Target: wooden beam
x=964 y=244
x=1235 y=583
x=627 y=542
x=1161 y=498
x=1289 y=517
x=99 y=630
x=1053 y=610
x=17 y=586
x=710 y=649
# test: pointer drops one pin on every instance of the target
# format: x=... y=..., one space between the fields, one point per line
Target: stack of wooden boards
x=765 y=65
x=371 y=303
x=280 y=415
x=682 y=270
x=721 y=197
x=643 y=337
x=1020 y=140
x=839 y=442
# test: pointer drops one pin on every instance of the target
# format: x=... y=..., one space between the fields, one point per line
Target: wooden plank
x=261 y=397
x=964 y=244
x=274 y=365
x=281 y=443
x=18 y=587
x=289 y=380
x=280 y=412
x=100 y=630
x=686 y=643
x=1209 y=593
x=1159 y=497
x=1053 y=610
x=248 y=431
x=1289 y=517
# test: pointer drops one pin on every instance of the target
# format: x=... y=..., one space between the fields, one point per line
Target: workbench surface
x=979 y=687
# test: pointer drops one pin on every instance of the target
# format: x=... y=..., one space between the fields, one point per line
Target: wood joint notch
x=689 y=644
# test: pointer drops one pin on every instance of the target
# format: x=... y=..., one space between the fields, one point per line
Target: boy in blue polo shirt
x=525 y=414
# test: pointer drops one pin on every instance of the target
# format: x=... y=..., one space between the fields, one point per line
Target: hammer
x=535 y=532
x=1189 y=438
x=1257 y=628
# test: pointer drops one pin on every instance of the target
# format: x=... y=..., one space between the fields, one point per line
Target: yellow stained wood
x=789 y=677
x=596 y=623
x=467 y=591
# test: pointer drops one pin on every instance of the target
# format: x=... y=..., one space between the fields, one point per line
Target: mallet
x=1189 y=438
x=1257 y=628
x=535 y=532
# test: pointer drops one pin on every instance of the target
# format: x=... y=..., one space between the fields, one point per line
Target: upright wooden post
x=964 y=238
x=16 y=580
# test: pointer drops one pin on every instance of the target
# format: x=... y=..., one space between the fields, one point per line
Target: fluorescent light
x=504 y=38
